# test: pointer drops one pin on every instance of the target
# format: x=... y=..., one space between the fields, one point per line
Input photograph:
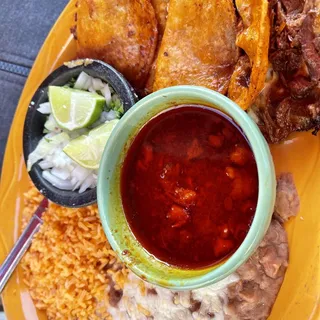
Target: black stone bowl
x=34 y=123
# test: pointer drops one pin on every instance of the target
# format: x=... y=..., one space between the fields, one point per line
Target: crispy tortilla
x=198 y=45
x=161 y=11
x=121 y=33
x=254 y=40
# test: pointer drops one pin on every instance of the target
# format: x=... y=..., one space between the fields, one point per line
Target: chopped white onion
x=90 y=89
x=97 y=84
x=106 y=93
x=45 y=164
x=103 y=117
x=77 y=185
x=60 y=160
x=51 y=124
x=61 y=173
x=74 y=180
x=49 y=157
x=111 y=115
x=86 y=184
x=59 y=169
x=80 y=173
x=56 y=182
x=41 y=151
x=49 y=135
x=95 y=180
x=44 y=108
x=83 y=82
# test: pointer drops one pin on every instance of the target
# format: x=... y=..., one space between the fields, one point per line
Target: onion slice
x=97 y=84
x=56 y=182
x=86 y=184
x=84 y=81
x=44 y=108
x=60 y=173
x=106 y=92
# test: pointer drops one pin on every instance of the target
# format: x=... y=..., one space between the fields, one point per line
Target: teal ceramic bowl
x=111 y=211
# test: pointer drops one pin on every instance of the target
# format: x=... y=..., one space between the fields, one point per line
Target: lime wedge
x=87 y=150
x=74 y=109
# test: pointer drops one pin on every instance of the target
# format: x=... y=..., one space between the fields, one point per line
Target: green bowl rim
x=266 y=176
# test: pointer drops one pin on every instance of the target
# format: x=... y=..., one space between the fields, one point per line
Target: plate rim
x=13 y=164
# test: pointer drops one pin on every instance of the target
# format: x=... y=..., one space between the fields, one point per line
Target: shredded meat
x=309 y=46
x=243 y=70
x=290 y=100
x=285 y=52
x=286 y=60
x=282 y=109
x=293 y=5
x=300 y=87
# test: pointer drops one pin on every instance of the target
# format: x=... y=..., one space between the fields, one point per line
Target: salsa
x=189 y=186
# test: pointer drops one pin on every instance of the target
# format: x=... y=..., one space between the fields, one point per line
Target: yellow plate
x=299 y=297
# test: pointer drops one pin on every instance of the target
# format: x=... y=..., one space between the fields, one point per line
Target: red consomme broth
x=189 y=186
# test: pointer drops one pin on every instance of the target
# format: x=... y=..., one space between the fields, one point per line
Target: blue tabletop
x=24 y=26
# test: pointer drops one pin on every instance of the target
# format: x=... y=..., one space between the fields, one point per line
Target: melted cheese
x=139 y=301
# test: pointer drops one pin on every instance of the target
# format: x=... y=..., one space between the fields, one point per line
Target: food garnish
x=75 y=109
x=87 y=150
x=81 y=116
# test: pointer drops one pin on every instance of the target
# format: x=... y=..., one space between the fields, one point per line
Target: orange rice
x=70 y=263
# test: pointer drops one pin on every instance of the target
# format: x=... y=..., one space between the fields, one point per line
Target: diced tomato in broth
x=189 y=186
